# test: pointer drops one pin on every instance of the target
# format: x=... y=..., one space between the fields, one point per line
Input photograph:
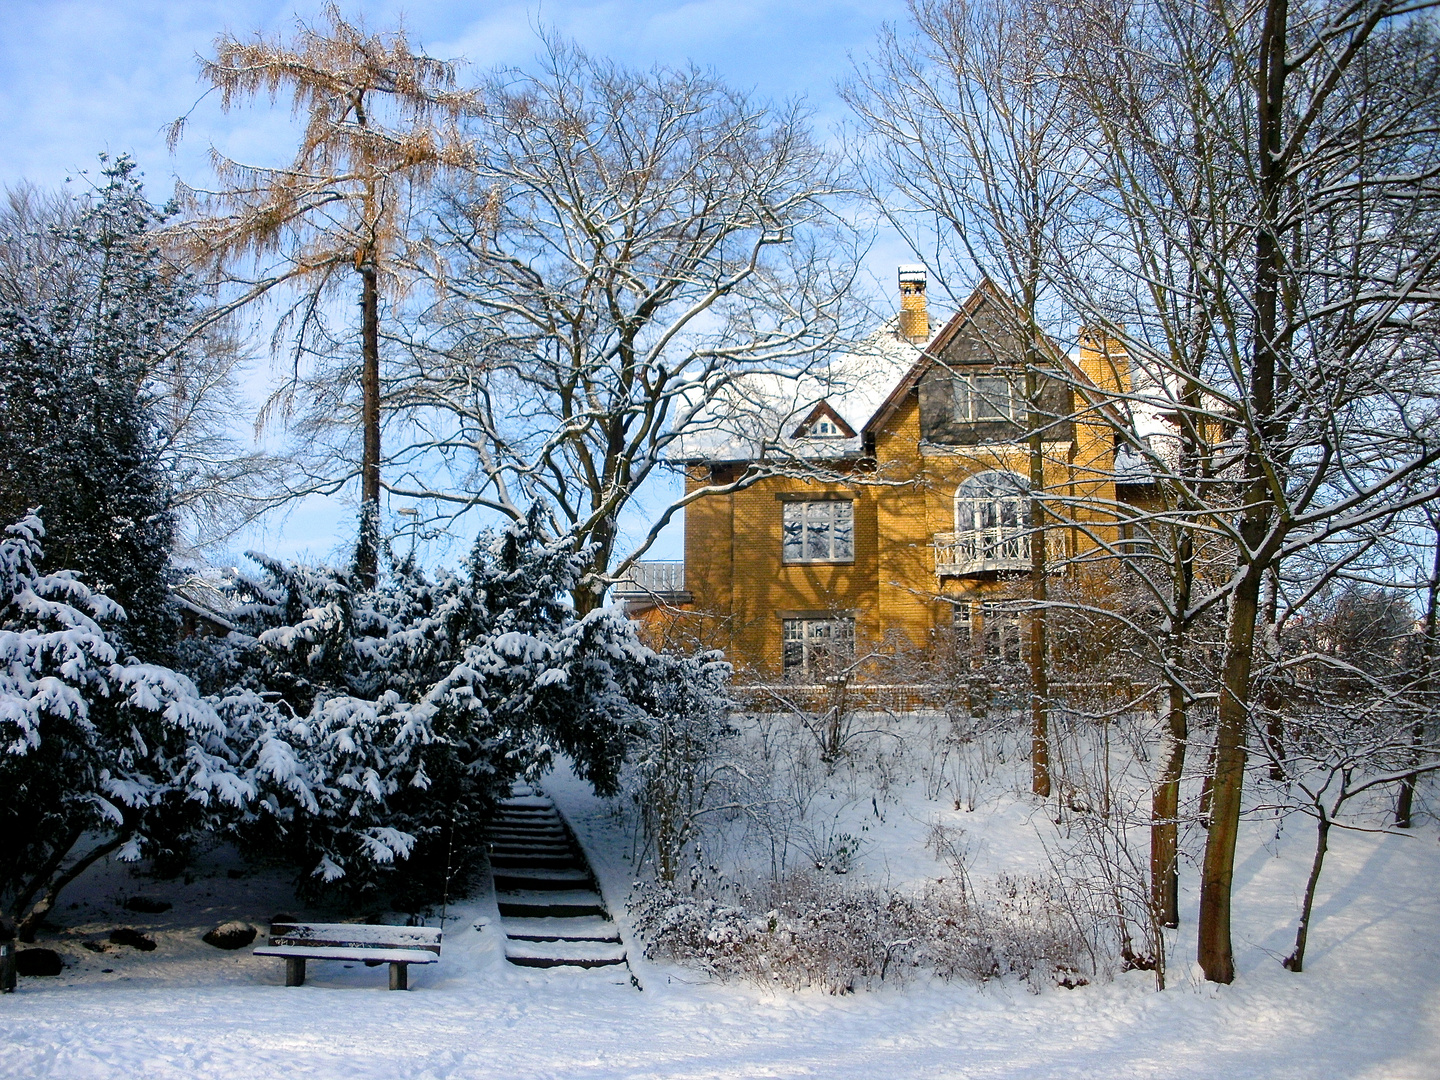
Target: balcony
x=981 y=551
x=651 y=584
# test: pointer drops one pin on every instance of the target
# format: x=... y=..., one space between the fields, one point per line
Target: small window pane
x=960 y=400
x=843 y=531
x=792 y=529
x=992 y=397
x=817 y=530
x=794 y=652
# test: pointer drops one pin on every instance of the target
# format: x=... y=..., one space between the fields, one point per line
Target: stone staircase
x=550 y=906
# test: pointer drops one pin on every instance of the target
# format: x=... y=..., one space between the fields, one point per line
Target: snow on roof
x=759 y=414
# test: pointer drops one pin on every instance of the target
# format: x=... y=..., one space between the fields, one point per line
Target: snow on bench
x=398 y=946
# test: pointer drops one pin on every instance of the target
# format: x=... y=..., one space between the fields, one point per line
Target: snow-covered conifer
x=98 y=751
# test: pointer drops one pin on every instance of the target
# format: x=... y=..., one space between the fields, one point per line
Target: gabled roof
x=987 y=292
x=930 y=353
x=763 y=414
x=823 y=409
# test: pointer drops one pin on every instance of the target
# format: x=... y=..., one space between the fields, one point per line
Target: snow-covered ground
x=1368 y=1004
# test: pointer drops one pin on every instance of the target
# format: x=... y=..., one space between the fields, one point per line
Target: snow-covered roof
x=761 y=414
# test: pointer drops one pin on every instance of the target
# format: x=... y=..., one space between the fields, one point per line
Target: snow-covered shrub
x=805 y=931
x=811 y=930
x=98 y=752
x=409 y=709
x=682 y=770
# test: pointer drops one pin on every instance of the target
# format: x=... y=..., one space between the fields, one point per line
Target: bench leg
x=399 y=977
x=295 y=971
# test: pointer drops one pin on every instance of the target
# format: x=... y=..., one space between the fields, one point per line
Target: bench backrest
x=356 y=936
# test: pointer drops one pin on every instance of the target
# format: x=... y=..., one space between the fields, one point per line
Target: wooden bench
x=398 y=946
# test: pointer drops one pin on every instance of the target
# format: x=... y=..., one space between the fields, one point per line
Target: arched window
x=992 y=519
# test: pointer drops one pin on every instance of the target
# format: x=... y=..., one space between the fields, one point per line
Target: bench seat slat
x=331 y=952
x=429 y=935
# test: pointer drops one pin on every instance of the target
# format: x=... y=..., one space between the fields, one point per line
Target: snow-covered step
x=583 y=928
x=527 y=827
x=532 y=860
x=528 y=802
x=534 y=842
x=530 y=836
x=542 y=879
x=559 y=857
x=550 y=903
x=542 y=825
x=564 y=954
x=548 y=896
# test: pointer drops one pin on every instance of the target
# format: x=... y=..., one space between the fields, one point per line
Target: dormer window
x=824 y=423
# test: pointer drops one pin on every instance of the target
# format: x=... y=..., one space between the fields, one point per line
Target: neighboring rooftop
x=765 y=415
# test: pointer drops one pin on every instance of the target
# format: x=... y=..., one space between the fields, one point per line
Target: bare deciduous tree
x=379 y=123
x=627 y=247
x=1271 y=173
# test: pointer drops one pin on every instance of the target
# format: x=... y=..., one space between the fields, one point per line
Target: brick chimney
x=914 y=319
x=1104 y=360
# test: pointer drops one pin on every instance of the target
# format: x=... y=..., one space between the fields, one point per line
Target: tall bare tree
x=970 y=142
x=1272 y=172
x=627 y=249
x=379 y=124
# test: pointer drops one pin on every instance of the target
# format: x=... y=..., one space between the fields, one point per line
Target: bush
x=808 y=930
x=385 y=723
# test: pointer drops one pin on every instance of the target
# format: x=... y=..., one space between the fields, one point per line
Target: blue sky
x=77 y=78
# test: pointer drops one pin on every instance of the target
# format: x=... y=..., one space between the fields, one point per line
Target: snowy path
x=1368 y=1008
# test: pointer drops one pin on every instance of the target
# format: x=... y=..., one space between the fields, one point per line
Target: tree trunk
x=1039 y=661
x=1165 y=814
x=46 y=871
x=1296 y=960
x=367 y=551
x=1165 y=806
x=1214 y=952
x=1405 y=803
x=1272 y=699
x=27 y=926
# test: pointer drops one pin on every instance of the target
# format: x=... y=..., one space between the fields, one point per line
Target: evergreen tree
x=400 y=714
x=78 y=427
x=99 y=753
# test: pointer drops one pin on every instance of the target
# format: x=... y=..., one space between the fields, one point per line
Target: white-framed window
x=962 y=627
x=817 y=647
x=825 y=428
x=1003 y=631
x=822 y=531
x=983 y=398
x=992 y=515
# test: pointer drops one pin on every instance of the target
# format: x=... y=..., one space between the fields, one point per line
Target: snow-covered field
x=1368 y=1004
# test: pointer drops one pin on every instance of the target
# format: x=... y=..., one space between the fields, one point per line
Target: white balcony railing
x=980 y=551
x=651 y=579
